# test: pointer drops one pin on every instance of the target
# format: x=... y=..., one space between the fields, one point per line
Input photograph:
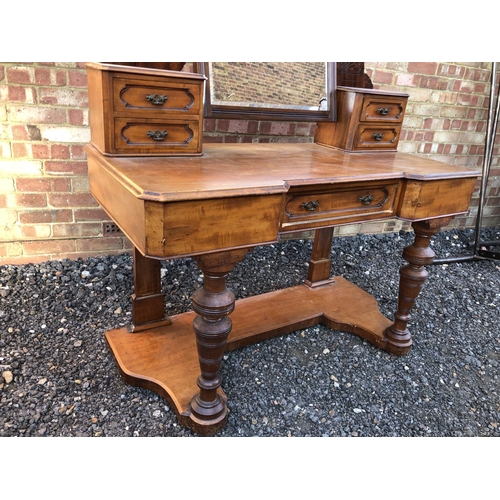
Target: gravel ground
x=59 y=379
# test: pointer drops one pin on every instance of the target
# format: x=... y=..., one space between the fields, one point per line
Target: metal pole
x=491 y=131
x=488 y=153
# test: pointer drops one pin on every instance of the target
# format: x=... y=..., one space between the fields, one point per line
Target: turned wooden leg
x=320 y=264
x=147 y=299
x=213 y=303
x=412 y=278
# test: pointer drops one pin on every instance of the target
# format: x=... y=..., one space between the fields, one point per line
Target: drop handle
x=378 y=136
x=383 y=111
x=156 y=99
x=157 y=135
x=366 y=200
x=311 y=206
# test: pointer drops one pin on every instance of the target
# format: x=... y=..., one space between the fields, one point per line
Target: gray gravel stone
x=59 y=378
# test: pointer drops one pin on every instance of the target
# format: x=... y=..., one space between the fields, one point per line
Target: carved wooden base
x=165 y=359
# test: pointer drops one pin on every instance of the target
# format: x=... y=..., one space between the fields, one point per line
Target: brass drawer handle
x=378 y=136
x=156 y=99
x=157 y=135
x=311 y=206
x=366 y=200
x=383 y=111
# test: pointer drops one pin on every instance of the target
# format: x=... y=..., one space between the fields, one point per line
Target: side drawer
x=376 y=136
x=382 y=109
x=143 y=95
x=340 y=204
x=141 y=136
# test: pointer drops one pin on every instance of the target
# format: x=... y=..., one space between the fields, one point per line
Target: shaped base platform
x=164 y=359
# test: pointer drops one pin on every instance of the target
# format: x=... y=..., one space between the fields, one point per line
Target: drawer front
x=376 y=137
x=156 y=96
x=382 y=109
x=339 y=205
x=149 y=137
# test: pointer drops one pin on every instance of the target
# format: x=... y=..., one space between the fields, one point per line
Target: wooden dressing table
x=215 y=208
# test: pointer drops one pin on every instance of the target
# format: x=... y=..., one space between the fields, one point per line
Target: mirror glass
x=270 y=90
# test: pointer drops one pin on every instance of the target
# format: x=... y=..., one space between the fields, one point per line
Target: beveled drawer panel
x=148 y=136
x=143 y=95
x=339 y=205
x=383 y=109
x=377 y=137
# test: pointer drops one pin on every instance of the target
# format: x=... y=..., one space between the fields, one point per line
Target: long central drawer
x=321 y=206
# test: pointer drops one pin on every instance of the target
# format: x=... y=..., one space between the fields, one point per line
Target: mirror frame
x=229 y=111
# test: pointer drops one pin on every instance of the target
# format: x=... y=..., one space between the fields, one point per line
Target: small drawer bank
x=145 y=112
x=367 y=120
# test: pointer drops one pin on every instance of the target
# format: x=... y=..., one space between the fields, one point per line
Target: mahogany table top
x=227 y=170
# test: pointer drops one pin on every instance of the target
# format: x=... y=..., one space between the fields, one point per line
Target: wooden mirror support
x=352 y=74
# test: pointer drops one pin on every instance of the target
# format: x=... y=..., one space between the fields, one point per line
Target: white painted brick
x=7 y=217
x=405 y=80
x=42 y=231
x=407 y=147
x=472 y=138
x=5 y=151
x=413 y=122
x=20 y=167
x=12 y=249
x=20 y=113
x=65 y=97
x=6 y=185
x=447 y=137
x=426 y=110
x=419 y=95
x=454 y=111
x=66 y=134
x=5 y=132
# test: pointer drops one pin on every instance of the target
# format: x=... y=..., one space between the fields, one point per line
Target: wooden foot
x=412 y=278
x=213 y=303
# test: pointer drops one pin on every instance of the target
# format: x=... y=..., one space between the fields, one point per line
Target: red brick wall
x=46 y=211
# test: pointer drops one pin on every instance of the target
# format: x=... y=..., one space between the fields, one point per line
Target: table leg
x=147 y=300
x=320 y=263
x=412 y=278
x=213 y=303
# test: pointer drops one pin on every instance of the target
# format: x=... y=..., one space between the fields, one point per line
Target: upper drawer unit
x=367 y=120
x=145 y=112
